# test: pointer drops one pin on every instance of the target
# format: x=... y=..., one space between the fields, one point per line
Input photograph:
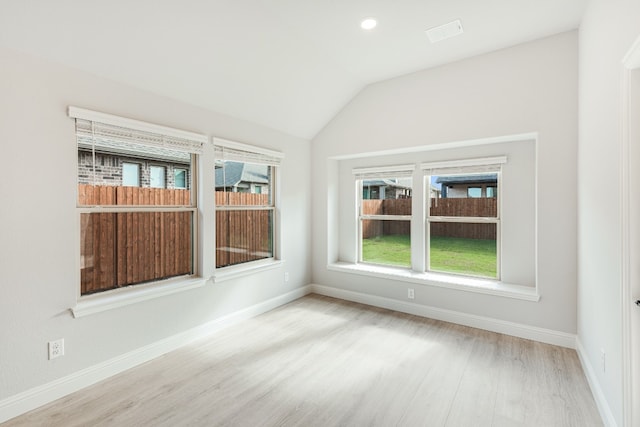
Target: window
x=474 y=192
x=130 y=174
x=462 y=234
x=384 y=215
x=156 y=177
x=132 y=235
x=245 y=189
x=180 y=178
x=443 y=181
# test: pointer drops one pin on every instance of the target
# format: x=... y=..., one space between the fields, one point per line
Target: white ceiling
x=287 y=64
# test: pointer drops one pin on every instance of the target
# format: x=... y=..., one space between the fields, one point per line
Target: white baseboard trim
x=594 y=384
x=548 y=336
x=30 y=399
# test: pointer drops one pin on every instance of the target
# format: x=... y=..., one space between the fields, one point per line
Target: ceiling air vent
x=445 y=31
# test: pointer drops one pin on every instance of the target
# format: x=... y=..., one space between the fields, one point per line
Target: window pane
x=463 y=248
x=122 y=249
x=387 y=189
x=463 y=185
x=127 y=165
x=464 y=195
x=180 y=178
x=386 y=242
x=130 y=174
x=474 y=192
x=243 y=184
x=243 y=236
x=156 y=177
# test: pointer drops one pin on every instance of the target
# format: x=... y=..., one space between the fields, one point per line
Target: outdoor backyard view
x=475 y=257
x=462 y=224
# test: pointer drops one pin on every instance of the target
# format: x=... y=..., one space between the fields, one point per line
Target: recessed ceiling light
x=368 y=24
x=445 y=31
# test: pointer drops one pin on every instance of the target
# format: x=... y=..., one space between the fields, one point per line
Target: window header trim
x=109 y=119
x=478 y=165
x=398 y=171
x=237 y=151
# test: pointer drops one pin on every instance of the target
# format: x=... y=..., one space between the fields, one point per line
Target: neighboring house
x=463 y=186
x=123 y=170
x=239 y=177
x=434 y=192
x=378 y=189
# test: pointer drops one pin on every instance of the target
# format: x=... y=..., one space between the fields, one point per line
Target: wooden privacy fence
x=124 y=248
x=478 y=207
x=470 y=207
x=243 y=235
x=225 y=198
x=463 y=230
x=375 y=228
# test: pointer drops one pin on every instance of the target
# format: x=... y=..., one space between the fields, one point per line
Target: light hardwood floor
x=324 y=362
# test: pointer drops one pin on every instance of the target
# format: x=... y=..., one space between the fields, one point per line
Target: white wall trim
x=631 y=64
x=441 y=280
x=110 y=119
x=33 y=398
x=245 y=269
x=548 y=336
x=97 y=303
x=531 y=136
x=598 y=395
x=221 y=142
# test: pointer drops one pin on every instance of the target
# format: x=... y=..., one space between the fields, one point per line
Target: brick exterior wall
x=108 y=169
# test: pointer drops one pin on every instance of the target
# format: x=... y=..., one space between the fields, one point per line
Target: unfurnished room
x=320 y=213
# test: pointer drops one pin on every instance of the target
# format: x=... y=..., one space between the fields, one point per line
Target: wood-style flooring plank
x=320 y=361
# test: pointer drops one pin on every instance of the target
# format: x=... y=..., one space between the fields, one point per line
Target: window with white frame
x=384 y=215
x=483 y=244
x=132 y=235
x=245 y=189
x=462 y=234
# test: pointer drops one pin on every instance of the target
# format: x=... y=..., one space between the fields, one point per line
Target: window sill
x=109 y=300
x=235 y=271
x=460 y=283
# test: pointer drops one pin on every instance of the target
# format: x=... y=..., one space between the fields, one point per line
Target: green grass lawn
x=390 y=250
x=448 y=254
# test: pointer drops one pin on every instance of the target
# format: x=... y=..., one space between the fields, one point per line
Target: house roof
x=468 y=179
x=383 y=182
x=234 y=173
x=289 y=65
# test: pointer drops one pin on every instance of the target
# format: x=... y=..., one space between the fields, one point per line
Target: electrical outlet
x=56 y=348
x=410 y=293
x=603 y=357
x=286 y=276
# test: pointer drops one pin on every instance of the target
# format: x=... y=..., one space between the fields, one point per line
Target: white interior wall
x=527 y=88
x=39 y=240
x=607 y=32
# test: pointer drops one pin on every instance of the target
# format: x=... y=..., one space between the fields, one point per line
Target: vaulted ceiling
x=287 y=64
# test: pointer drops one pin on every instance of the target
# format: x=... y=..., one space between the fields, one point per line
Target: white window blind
x=466 y=166
x=399 y=171
x=238 y=152
x=119 y=133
